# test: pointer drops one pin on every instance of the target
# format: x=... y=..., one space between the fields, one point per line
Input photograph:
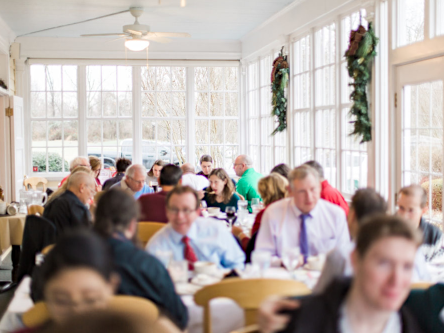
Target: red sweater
x=153 y=207
x=332 y=195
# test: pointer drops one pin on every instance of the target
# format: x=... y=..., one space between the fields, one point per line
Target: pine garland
x=279 y=80
x=360 y=55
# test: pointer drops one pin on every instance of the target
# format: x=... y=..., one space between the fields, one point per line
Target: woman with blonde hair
x=271 y=188
x=96 y=166
x=221 y=192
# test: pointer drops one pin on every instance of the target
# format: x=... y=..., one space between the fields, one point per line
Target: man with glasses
x=192 y=238
x=78 y=161
x=134 y=181
x=247 y=184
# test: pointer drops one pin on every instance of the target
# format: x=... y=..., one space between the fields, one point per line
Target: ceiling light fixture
x=183 y=3
x=136 y=44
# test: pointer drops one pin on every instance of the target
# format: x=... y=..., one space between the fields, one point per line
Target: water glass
x=178 y=271
x=261 y=259
x=164 y=256
x=203 y=206
x=291 y=258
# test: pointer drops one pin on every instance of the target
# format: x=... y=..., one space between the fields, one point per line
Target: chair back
x=36 y=210
x=248 y=294
x=127 y=305
x=421 y=285
x=34 y=181
x=146 y=230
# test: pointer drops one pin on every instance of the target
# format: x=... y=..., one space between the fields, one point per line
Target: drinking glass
x=231 y=215
x=178 y=271
x=154 y=185
x=291 y=258
x=164 y=256
x=242 y=210
x=262 y=259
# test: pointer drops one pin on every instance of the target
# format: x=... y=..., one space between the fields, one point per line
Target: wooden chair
x=248 y=329
x=34 y=181
x=36 y=210
x=127 y=305
x=146 y=230
x=421 y=285
x=248 y=294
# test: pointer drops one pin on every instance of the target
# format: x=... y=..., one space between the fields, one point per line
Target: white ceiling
x=203 y=19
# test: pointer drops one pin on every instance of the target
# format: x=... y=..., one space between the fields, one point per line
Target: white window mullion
x=191 y=133
x=83 y=133
x=338 y=94
x=313 y=93
x=137 y=115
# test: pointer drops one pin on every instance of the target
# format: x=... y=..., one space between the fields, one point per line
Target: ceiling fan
x=139 y=35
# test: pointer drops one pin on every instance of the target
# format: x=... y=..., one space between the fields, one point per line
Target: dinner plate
x=187 y=288
x=308 y=268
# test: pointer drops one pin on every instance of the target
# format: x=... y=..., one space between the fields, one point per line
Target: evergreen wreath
x=360 y=54
x=279 y=80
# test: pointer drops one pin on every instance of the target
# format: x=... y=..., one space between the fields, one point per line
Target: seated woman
x=154 y=173
x=77 y=276
x=96 y=166
x=221 y=192
x=271 y=189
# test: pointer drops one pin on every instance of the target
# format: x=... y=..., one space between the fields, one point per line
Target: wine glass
x=262 y=259
x=204 y=208
x=291 y=258
x=164 y=256
x=231 y=215
x=255 y=205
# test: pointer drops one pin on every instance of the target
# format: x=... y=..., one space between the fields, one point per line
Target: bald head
x=187 y=168
x=242 y=164
x=82 y=184
x=79 y=161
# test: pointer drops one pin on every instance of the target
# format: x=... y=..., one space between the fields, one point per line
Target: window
x=164 y=126
x=253 y=112
x=217 y=114
x=353 y=154
x=437 y=16
x=54 y=117
x=266 y=120
x=410 y=21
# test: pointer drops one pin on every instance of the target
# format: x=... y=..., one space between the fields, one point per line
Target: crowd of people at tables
x=372 y=257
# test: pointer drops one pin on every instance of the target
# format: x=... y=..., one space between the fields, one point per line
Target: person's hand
x=98 y=188
x=269 y=319
x=241 y=196
x=236 y=231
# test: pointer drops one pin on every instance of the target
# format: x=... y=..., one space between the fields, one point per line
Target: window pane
x=231 y=78
x=94 y=132
x=94 y=100
x=148 y=78
x=38 y=130
x=70 y=133
x=202 y=135
x=216 y=104
x=216 y=78
x=178 y=78
x=54 y=78
x=163 y=104
x=201 y=104
x=124 y=78
x=109 y=78
x=70 y=106
x=148 y=104
x=56 y=162
x=38 y=104
x=149 y=131
x=217 y=131
x=54 y=104
x=163 y=76
x=125 y=102
x=231 y=104
x=109 y=104
x=201 y=78
x=110 y=133
x=54 y=133
x=410 y=21
x=179 y=105
x=231 y=132
x=69 y=78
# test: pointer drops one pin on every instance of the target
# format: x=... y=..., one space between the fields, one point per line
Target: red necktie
x=189 y=253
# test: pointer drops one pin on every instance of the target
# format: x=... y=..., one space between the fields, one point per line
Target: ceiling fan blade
x=114 y=39
x=162 y=40
x=134 y=32
x=169 y=34
x=104 y=35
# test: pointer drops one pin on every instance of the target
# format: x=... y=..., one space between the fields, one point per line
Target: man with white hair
x=303 y=220
x=189 y=178
x=76 y=162
x=69 y=210
x=134 y=181
x=247 y=184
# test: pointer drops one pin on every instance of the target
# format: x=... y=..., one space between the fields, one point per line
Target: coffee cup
x=2 y=207
x=12 y=209
x=316 y=263
x=213 y=210
x=205 y=267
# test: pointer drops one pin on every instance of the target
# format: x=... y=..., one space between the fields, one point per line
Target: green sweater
x=247 y=186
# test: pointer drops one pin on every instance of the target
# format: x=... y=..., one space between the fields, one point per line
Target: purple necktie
x=303 y=239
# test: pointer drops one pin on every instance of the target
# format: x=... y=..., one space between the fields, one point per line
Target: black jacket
x=67 y=212
x=110 y=182
x=320 y=313
x=143 y=275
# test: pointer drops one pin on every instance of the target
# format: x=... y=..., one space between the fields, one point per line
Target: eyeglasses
x=140 y=182
x=176 y=211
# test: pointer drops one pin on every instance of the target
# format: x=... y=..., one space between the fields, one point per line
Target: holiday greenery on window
x=279 y=80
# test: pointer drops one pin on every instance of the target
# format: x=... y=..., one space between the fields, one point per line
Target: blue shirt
x=145 y=189
x=210 y=240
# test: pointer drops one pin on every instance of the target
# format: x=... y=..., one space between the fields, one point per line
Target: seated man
x=196 y=182
x=153 y=205
x=372 y=302
x=365 y=202
x=247 y=184
x=192 y=238
x=412 y=204
x=141 y=274
x=303 y=220
x=328 y=192
x=69 y=210
x=78 y=161
x=121 y=165
x=134 y=181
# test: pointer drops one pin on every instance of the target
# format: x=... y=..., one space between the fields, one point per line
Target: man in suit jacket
x=69 y=210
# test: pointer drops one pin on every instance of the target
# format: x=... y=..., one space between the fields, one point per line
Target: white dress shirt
x=281 y=225
x=195 y=181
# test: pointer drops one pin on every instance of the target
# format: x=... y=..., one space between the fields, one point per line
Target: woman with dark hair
x=154 y=173
x=221 y=192
x=282 y=169
x=206 y=164
x=77 y=276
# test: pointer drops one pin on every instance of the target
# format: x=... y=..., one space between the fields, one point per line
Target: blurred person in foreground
x=69 y=210
x=194 y=238
x=365 y=203
x=141 y=274
x=303 y=219
x=247 y=184
x=153 y=205
x=328 y=192
x=272 y=188
x=76 y=162
x=370 y=302
x=134 y=181
x=154 y=173
x=121 y=165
